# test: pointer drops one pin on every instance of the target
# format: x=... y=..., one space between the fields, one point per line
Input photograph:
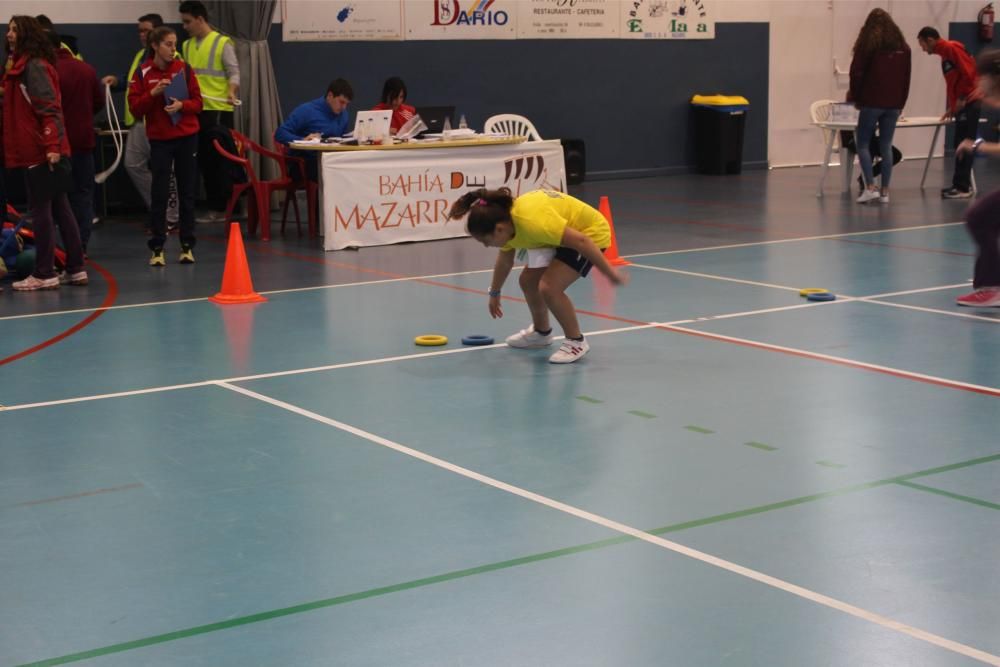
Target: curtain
x=248 y=22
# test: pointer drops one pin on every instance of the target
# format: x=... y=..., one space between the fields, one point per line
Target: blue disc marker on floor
x=821 y=296
x=477 y=339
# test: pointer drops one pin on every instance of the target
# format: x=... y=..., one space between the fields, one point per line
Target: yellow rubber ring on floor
x=430 y=340
x=812 y=290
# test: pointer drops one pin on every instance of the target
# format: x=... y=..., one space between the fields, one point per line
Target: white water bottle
x=461 y=122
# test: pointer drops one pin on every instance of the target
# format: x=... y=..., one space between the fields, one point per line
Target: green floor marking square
x=699 y=429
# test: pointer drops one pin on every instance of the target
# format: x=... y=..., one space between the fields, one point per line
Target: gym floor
x=733 y=475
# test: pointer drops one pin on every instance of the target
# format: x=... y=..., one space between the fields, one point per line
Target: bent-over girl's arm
x=501 y=269
x=585 y=246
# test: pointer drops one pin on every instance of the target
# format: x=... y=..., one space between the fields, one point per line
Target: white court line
x=303 y=371
x=468 y=273
x=792 y=240
x=277 y=291
x=906 y=306
x=674 y=325
x=939 y=288
x=841 y=298
x=624 y=529
x=889 y=370
x=715 y=277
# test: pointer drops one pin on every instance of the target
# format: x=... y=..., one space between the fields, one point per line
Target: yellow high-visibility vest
x=206 y=61
x=129 y=118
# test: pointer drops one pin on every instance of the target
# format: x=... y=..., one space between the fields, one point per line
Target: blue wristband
x=493 y=293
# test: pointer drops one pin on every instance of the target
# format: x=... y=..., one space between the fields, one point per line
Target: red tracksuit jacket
x=158 y=124
x=33 y=122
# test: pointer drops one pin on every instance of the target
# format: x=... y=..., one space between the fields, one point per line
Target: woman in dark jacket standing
x=34 y=136
x=880 y=84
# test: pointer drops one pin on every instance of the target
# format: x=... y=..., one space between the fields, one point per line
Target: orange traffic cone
x=612 y=252
x=236 y=284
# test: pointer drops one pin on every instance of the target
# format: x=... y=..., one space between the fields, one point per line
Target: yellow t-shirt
x=540 y=217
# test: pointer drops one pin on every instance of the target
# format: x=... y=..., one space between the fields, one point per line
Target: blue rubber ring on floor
x=476 y=339
x=821 y=296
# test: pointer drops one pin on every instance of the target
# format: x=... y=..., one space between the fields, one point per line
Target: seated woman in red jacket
x=394 y=98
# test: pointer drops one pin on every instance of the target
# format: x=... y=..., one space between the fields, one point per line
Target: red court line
x=75 y=496
x=690 y=332
x=940 y=382
x=109 y=300
x=906 y=247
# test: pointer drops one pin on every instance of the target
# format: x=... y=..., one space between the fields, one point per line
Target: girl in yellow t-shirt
x=549 y=225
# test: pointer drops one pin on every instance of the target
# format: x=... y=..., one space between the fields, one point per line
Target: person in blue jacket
x=320 y=118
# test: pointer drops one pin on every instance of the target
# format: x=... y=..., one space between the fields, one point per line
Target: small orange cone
x=612 y=252
x=236 y=284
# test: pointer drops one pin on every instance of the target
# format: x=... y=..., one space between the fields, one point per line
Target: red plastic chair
x=260 y=202
x=300 y=182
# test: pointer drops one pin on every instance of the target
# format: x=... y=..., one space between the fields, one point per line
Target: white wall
x=806 y=38
x=77 y=11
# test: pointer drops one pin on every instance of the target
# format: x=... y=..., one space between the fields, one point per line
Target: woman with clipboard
x=34 y=136
x=165 y=91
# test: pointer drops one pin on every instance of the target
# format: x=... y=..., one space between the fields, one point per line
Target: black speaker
x=575 y=156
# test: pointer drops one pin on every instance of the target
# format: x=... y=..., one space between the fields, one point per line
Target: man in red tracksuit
x=172 y=128
x=964 y=103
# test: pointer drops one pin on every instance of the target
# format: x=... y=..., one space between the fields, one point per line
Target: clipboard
x=176 y=89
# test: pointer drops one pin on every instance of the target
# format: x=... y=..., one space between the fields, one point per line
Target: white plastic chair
x=512 y=124
x=821 y=110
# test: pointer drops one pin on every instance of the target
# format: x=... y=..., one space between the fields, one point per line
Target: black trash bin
x=719 y=124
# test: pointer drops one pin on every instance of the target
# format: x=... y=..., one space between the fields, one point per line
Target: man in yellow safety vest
x=137 y=150
x=212 y=56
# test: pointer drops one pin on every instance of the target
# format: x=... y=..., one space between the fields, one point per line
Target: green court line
x=761 y=445
x=493 y=567
x=830 y=464
x=949 y=494
x=589 y=399
x=640 y=413
x=698 y=429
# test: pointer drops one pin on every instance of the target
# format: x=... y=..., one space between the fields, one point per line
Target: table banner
x=382 y=197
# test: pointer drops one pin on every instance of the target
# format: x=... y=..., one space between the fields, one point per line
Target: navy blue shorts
x=574 y=260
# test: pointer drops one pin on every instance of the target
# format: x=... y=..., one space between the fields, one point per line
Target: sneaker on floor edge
x=187 y=255
x=157 y=258
x=210 y=217
x=955 y=193
x=31 y=283
x=78 y=278
x=986 y=297
x=867 y=196
x=570 y=351
x=529 y=338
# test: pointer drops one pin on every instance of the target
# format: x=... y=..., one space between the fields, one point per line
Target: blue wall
x=628 y=100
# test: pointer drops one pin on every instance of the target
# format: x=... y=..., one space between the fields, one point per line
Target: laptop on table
x=433 y=118
x=376 y=123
